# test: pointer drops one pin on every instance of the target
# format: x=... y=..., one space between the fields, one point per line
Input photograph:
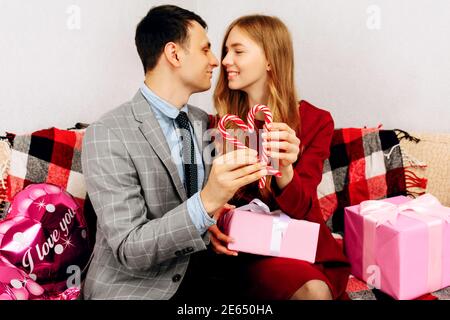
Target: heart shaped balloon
x=15 y=284
x=45 y=235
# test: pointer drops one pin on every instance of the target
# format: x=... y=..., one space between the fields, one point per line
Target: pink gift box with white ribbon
x=257 y=230
x=399 y=245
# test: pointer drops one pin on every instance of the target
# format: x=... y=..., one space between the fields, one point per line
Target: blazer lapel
x=152 y=132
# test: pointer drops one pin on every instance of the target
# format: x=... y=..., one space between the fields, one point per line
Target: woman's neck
x=258 y=97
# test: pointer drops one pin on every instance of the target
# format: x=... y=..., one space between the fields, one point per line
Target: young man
x=145 y=171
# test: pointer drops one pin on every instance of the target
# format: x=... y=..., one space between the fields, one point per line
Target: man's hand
x=219 y=240
x=229 y=173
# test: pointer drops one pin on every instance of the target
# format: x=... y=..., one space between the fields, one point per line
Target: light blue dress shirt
x=166 y=113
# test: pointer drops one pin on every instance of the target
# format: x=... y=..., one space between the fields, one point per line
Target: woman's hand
x=219 y=240
x=282 y=145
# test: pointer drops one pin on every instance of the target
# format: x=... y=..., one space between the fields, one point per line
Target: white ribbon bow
x=279 y=225
x=388 y=212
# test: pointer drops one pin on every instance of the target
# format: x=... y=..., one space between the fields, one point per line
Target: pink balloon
x=15 y=284
x=5 y=292
x=24 y=204
x=52 y=189
x=36 y=193
x=43 y=235
x=72 y=293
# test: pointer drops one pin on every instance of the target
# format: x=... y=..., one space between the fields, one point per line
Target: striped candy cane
x=252 y=114
x=250 y=127
x=238 y=121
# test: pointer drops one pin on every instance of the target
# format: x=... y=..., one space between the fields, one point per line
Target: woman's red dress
x=276 y=278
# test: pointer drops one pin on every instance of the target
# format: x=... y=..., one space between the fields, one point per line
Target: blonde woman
x=258 y=68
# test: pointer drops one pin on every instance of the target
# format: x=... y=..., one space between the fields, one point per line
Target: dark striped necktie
x=190 y=167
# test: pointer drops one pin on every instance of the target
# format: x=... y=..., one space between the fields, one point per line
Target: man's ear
x=171 y=52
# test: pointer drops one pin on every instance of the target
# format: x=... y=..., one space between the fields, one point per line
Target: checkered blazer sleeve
x=137 y=242
x=297 y=197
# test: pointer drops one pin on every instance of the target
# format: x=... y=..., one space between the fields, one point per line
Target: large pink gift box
x=399 y=245
x=257 y=230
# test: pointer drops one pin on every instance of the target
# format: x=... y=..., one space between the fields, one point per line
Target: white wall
x=368 y=62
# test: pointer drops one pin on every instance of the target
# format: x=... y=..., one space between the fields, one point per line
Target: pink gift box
x=271 y=234
x=403 y=249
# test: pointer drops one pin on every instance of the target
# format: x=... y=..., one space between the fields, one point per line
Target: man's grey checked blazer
x=144 y=231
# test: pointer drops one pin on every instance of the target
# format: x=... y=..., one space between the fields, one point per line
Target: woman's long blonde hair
x=275 y=40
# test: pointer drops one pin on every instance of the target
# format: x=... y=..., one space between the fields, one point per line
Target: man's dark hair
x=161 y=25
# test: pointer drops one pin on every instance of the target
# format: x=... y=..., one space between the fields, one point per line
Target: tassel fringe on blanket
x=415 y=185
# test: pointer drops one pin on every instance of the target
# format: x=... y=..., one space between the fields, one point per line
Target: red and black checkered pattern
x=364 y=164
x=47 y=156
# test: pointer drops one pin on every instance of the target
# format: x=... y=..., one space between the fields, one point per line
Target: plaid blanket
x=47 y=156
x=364 y=164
